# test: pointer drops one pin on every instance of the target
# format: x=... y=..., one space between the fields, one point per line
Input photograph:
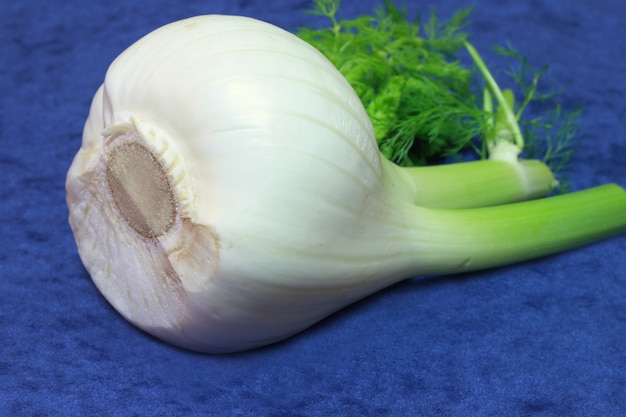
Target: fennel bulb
x=229 y=192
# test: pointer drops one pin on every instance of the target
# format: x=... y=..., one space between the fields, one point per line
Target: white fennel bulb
x=229 y=193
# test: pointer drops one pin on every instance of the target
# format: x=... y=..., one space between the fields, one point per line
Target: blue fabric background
x=545 y=338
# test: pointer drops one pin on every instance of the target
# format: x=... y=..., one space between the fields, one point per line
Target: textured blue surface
x=545 y=338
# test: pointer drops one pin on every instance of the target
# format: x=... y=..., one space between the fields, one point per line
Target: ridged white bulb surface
x=228 y=192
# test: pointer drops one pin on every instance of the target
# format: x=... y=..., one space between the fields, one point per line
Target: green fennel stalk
x=497 y=236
